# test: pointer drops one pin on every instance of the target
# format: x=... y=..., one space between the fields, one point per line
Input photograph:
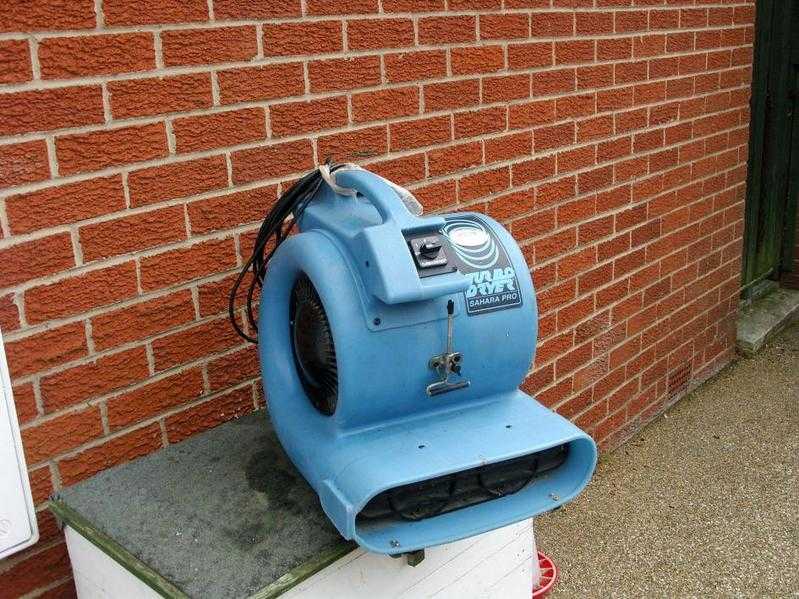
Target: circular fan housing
x=312 y=342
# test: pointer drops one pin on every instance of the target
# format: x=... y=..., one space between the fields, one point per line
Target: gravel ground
x=704 y=502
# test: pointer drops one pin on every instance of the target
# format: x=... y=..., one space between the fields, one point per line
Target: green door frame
x=773 y=178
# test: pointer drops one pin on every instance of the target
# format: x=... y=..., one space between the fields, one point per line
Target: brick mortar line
x=406 y=153
x=52 y=159
x=148 y=351
x=20 y=238
x=33 y=49
x=255 y=395
x=632 y=204
x=125 y=191
x=307 y=18
x=103 y=408
x=558 y=381
x=246 y=227
x=77 y=249
x=55 y=474
x=215 y=317
x=99 y=14
x=186 y=221
x=158 y=51
x=100 y=401
x=89 y=332
x=171 y=142
x=638 y=376
x=16 y=298
x=239 y=254
x=203 y=361
x=270 y=142
x=206 y=379
x=259 y=40
x=97 y=265
x=215 y=98
x=154 y=377
x=99 y=441
x=193 y=239
x=195 y=300
x=164 y=433
x=627 y=276
x=84 y=317
x=43 y=84
x=307 y=98
x=5 y=227
x=37 y=396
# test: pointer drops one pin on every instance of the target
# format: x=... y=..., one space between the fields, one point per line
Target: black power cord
x=274 y=227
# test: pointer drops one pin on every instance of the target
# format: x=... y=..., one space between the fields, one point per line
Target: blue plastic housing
x=386 y=323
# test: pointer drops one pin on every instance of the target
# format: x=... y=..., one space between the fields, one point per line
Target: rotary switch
x=428 y=251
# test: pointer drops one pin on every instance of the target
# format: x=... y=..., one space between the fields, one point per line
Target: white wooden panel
x=496 y=564
x=486 y=573
x=472 y=566
x=17 y=518
x=98 y=576
x=510 y=584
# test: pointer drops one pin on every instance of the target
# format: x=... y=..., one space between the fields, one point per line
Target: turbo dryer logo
x=483 y=259
x=472 y=242
x=492 y=282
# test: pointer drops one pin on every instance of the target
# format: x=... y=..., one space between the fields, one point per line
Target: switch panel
x=430 y=253
x=17 y=517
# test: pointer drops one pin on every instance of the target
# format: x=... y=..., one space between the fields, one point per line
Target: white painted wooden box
x=225 y=514
x=498 y=564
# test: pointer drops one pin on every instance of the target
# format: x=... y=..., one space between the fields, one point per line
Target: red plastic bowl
x=549 y=576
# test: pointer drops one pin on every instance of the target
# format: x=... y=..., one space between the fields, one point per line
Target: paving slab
x=704 y=502
x=765 y=318
x=222 y=514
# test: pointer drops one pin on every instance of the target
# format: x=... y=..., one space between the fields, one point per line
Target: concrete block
x=765 y=318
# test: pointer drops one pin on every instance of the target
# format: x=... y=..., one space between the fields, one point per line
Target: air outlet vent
x=679 y=379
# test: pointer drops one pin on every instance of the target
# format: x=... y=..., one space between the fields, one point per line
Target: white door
x=17 y=518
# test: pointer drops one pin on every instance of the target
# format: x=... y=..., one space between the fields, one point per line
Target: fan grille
x=443 y=494
x=312 y=343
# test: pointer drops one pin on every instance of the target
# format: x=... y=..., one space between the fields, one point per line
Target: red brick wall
x=142 y=141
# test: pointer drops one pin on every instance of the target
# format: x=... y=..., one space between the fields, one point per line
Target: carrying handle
x=393 y=277
x=384 y=198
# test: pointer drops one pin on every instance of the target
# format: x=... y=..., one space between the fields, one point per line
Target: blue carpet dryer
x=392 y=347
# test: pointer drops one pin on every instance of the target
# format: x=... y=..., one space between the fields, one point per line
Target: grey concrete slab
x=223 y=514
x=766 y=317
x=704 y=502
